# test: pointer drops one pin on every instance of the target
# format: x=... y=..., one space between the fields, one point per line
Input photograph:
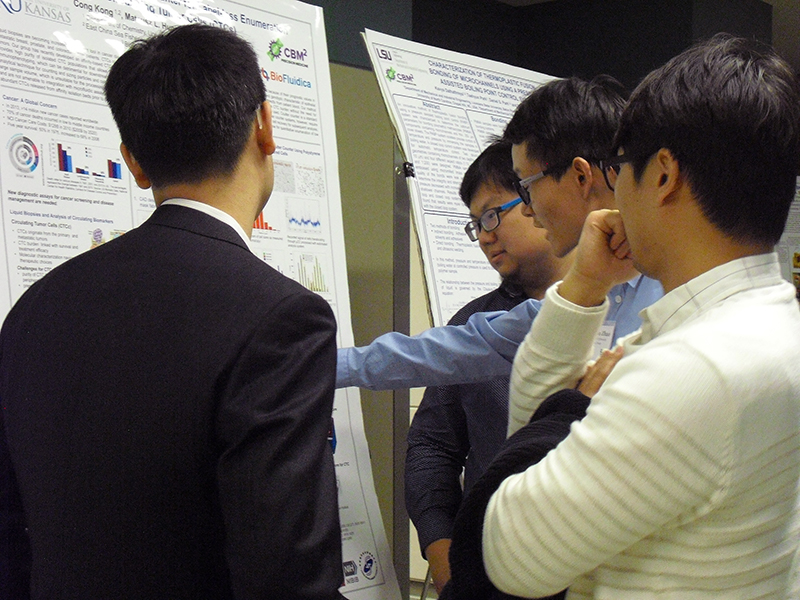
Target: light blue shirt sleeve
x=479 y=350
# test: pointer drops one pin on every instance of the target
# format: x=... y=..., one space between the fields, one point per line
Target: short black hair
x=728 y=110
x=184 y=102
x=493 y=166
x=565 y=118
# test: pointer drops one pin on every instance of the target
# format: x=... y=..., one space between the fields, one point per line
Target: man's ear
x=264 y=137
x=667 y=174
x=142 y=180
x=581 y=170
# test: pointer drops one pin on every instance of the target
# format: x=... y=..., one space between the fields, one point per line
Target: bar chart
x=87 y=161
x=262 y=224
x=309 y=273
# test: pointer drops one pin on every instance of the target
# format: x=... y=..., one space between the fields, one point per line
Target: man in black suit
x=166 y=397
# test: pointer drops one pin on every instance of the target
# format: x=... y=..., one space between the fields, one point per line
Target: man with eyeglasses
x=558 y=134
x=682 y=479
x=460 y=427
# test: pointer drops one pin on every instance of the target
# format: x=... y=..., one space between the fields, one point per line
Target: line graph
x=303 y=215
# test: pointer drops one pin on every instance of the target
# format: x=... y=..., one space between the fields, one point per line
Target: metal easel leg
x=426 y=585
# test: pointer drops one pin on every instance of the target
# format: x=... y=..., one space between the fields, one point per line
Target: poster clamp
x=406 y=169
x=401 y=321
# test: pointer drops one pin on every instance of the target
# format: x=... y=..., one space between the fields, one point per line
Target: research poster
x=64 y=188
x=789 y=247
x=445 y=107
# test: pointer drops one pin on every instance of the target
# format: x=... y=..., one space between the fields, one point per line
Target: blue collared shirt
x=479 y=350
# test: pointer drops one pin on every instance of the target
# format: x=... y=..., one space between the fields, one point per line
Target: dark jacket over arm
x=549 y=425
x=456 y=429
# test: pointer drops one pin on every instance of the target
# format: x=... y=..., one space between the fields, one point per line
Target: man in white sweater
x=681 y=481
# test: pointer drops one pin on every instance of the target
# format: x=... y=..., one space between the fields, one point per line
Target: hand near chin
x=602 y=260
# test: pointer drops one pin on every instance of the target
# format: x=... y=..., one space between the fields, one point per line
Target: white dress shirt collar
x=707 y=289
x=211 y=211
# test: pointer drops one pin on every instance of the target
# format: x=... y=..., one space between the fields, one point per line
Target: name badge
x=603 y=339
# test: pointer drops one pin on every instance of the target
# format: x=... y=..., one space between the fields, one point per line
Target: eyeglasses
x=489 y=220
x=523 y=185
x=614 y=163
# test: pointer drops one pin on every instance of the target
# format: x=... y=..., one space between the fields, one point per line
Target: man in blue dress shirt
x=459 y=428
x=561 y=183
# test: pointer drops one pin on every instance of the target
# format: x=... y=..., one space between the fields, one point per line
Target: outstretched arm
x=480 y=350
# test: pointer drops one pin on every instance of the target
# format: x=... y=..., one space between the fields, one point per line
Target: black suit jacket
x=166 y=400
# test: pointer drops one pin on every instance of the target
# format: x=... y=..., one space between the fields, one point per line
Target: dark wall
x=346 y=19
x=477 y=27
x=624 y=38
x=750 y=18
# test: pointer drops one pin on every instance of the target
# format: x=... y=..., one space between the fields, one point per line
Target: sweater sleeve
x=553 y=355
x=651 y=450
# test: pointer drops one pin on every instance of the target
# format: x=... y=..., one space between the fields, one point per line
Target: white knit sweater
x=681 y=481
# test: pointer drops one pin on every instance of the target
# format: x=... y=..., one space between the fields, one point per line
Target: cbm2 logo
x=384 y=54
x=11 y=6
x=275 y=47
x=393 y=75
x=278 y=49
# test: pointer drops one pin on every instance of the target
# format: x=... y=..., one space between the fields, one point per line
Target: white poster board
x=445 y=106
x=64 y=188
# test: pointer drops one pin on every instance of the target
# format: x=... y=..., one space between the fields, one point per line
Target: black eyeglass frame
x=474 y=226
x=521 y=186
x=615 y=163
